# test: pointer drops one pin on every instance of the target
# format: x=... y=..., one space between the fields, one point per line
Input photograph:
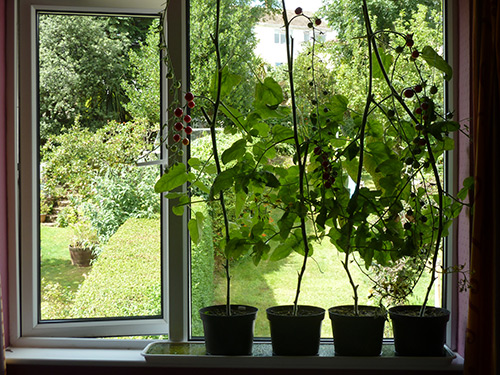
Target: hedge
x=125 y=280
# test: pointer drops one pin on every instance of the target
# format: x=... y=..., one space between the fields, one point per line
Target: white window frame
x=26 y=330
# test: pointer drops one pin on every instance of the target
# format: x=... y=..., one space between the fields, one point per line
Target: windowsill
x=134 y=358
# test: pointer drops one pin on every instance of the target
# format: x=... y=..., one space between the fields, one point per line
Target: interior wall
x=462 y=106
x=3 y=164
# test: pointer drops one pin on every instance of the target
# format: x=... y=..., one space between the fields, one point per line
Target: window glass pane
x=340 y=67
x=99 y=116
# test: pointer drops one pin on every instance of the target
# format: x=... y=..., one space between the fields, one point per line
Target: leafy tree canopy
x=346 y=16
x=82 y=60
x=237 y=43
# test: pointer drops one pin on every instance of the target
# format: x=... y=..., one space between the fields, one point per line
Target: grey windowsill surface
x=193 y=356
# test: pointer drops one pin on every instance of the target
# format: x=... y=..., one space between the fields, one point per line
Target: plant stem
x=432 y=161
x=213 y=123
x=301 y=163
x=354 y=199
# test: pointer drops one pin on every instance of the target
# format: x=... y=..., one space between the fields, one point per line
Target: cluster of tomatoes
x=182 y=125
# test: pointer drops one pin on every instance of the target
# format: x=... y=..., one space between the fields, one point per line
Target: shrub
x=119 y=194
x=143 y=89
x=66 y=216
x=71 y=160
x=126 y=278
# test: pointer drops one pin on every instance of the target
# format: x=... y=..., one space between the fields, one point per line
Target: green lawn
x=269 y=284
x=325 y=284
x=59 y=278
x=274 y=283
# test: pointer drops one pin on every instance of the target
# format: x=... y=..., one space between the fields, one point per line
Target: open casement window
x=79 y=53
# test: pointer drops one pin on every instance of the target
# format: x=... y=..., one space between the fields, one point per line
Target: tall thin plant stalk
x=301 y=163
x=212 y=121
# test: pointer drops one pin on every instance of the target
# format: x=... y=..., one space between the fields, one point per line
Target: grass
x=273 y=283
x=269 y=284
x=59 y=278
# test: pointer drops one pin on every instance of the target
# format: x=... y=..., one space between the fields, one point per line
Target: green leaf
x=200 y=185
x=449 y=144
x=223 y=181
x=435 y=60
x=233 y=114
x=467 y=185
x=280 y=133
x=390 y=167
x=281 y=252
x=178 y=209
x=236 y=247
x=257 y=230
x=285 y=223
x=195 y=163
x=260 y=250
x=337 y=106
x=270 y=179
x=229 y=81
x=176 y=176
x=368 y=257
x=386 y=61
x=195 y=226
x=352 y=151
x=235 y=152
x=438 y=128
x=268 y=93
x=456 y=208
x=174 y=195
x=240 y=200
x=262 y=128
x=268 y=97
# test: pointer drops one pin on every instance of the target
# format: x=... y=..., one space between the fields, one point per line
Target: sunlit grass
x=55 y=260
x=59 y=278
x=325 y=284
x=269 y=284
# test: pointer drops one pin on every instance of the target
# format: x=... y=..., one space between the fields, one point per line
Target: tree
x=236 y=40
x=346 y=16
x=82 y=61
x=341 y=64
x=143 y=89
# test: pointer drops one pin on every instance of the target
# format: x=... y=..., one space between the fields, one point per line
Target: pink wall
x=3 y=193
x=462 y=163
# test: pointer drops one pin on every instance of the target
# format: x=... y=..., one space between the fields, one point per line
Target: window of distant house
x=279 y=36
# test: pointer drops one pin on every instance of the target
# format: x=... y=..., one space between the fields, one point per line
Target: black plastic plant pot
x=294 y=335
x=416 y=335
x=228 y=334
x=358 y=335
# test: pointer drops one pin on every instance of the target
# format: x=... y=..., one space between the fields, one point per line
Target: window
x=177 y=286
x=279 y=36
x=78 y=97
